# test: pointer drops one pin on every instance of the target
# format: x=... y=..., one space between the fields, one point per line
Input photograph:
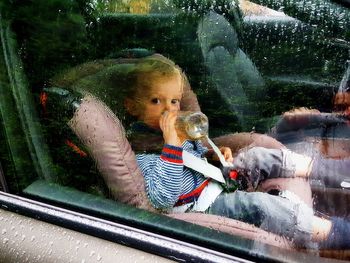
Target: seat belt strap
x=201 y=166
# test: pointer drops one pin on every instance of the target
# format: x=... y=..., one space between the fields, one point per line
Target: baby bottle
x=194 y=124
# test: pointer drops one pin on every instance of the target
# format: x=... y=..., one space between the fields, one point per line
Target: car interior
x=241 y=66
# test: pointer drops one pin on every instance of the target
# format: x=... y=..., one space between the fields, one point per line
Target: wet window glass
x=202 y=111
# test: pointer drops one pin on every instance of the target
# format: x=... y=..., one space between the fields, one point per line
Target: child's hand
x=167 y=125
x=227 y=153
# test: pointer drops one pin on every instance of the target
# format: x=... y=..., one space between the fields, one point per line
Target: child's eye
x=175 y=101
x=155 y=101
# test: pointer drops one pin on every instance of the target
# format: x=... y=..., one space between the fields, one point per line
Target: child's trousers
x=289 y=218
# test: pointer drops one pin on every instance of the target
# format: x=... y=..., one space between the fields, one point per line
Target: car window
x=263 y=84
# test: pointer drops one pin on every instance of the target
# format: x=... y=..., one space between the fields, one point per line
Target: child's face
x=164 y=95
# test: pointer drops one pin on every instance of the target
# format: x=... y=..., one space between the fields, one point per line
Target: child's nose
x=168 y=106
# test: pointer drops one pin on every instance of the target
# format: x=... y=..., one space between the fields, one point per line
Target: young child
x=155 y=89
x=154 y=100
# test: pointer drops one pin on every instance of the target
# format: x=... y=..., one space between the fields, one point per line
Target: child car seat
x=105 y=80
x=103 y=135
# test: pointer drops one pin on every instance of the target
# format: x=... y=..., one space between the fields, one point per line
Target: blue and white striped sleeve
x=163 y=176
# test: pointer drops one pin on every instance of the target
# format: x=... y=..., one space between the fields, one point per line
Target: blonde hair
x=146 y=71
x=114 y=80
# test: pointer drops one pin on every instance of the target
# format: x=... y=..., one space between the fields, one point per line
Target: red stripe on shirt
x=172 y=151
x=195 y=193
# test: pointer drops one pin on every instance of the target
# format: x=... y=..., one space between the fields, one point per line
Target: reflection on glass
x=266 y=74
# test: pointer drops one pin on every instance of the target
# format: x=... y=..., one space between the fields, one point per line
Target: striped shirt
x=166 y=178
